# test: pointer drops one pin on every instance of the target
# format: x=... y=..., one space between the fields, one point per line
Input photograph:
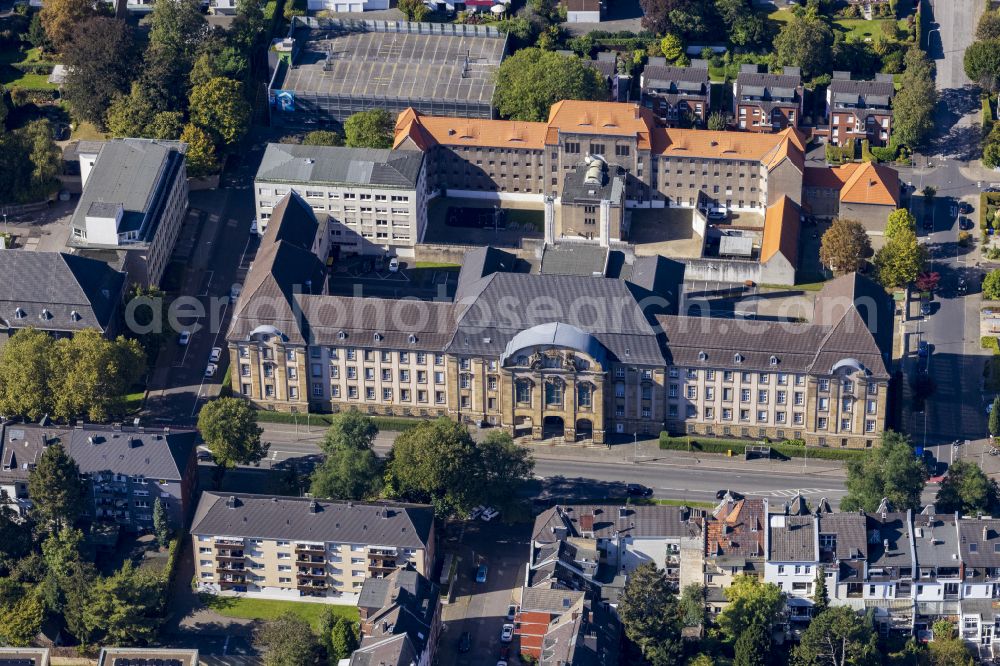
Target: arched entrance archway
x=553 y=426
x=584 y=429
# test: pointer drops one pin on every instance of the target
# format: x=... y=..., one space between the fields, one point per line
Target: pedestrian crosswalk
x=792 y=492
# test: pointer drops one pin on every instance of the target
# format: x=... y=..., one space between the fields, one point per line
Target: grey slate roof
x=479 y=263
x=152 y=454
x=626 y=520
x=272 y=517
x=395 y=650
x=936 y=542
x=549 y=600
x=894 y=528
x=669 y=78
x=404 y=602
x=850 y=528
x=61 y=284
x=293 y=222
x=980 y=542
x=793 y=539
x=768 y=86
x=331 y=165
x=573 y=259
x=127 y=172
x=862 y=93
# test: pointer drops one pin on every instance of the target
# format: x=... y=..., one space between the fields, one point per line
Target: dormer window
x=774 y=360
x=702 y=356
x=737 y=357
x=45 y=314
x=378 y=337
x=412 y=339
x=20 y=314
x=341 y=335
x=74 y=315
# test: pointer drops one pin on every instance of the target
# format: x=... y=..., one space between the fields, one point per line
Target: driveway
x=480 y=608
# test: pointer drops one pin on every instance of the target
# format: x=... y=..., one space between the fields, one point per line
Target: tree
x=899 y=220
x=913 y=106
x=15 y=535
x=889 y=471
x=701 y=659
x=989 y=26
x=413 y=10
x=25 y=372
x=322 y=138
x=248 y=26
x=60 y=18
x=216 y=59
x=36 y=33
x=993 y=424
x=369 y=129
x=350 y=429
x=29 y=162
x=648 y=611
x=177 y=28
x=100 y=64
x=56 y=490
x=165 y=126
x=947 y=649
x=928 y=281
x=68 y=580
x=94 y=374
x=200 y=151
x=751 y=602
x=982 y=63
x=286 y=641
x=991 y=285
x=806 y=41
x=717 y=121
x=128 y=114
x=821 y=599
x=126 y=607
x=692 y=605
x=900 y=260
x=343 y=640
x=219 y=108
x=672 y=47
x=746 y=27
x=844 y=246
x=837 y=637
x=439 y=462
x=21 y=621
x=965 y=489
x=161 y=524
x=531 y=81
x=348 y=473
x=690 y=19
x=753 y=646
x=229 y=428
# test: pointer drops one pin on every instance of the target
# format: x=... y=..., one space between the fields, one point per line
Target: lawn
x=440 y=265
x=12 y=77
x=269 y=609
x=86 y=131
x=862 y=30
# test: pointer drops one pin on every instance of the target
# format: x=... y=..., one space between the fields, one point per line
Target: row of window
x=349 y=196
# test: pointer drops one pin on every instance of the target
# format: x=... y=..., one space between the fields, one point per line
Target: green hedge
x=788 y=448
x=384 y=423
x=990 y=342
x=987 y=113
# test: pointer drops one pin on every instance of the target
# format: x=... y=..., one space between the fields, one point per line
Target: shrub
x=789 y=448
x=990 y=343
x=987 y=114
x=866 y=152
x=964 y=238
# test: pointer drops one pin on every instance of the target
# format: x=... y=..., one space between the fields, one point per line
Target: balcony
x=229 y=566
x=310 y=549
x=377 y=552
x=381 y=565
x=230 y=584
x=225 y=543
x=230 y=554
x=310 y=559
x=312 y=573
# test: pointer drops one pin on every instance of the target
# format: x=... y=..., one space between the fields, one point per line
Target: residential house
x=583 y=11
x=135 y=196
x=400 y=620
x=765 y=102
x=128 y=469
x=891 y=568
x=939 y=579
x=586 y=633
x=119 y=656
x=367 y=201
x=58 y=293
x=294 y=547
x=979 y=540
x=736 y=543
x=859 y=110
x=866 y=192
x=678 y=96
x=793 y=560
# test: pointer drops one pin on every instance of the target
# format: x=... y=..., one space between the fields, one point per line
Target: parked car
x=481 y=573
x=964 y=208
x=638 y=490
x=211 y=369
x=962 y=286
x=253 y=227
x=234 y=292
x=489 y=514
x=205 y=454
x=465 y=642
x=394 y=265
x=184 y=338
x=504 y=652
x=964 y=223
x=215 y=355
x=720 y=494
x=719 y=213
x=925 y=308
x=511 y=613
x=507 y=633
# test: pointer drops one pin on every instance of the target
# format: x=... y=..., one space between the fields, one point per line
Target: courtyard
x=483 y=222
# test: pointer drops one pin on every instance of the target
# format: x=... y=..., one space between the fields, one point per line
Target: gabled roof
x=397 y=650
x=850 y=528
x=605 y=118
x=980 y=542
x=737 y=528
x=608 y=519
x=427 y=131
x=54 y=291
x=770 y=149
x=304 y=519
x=293 y=222
x=871 y=184
x=793 y=539
x=781 y=231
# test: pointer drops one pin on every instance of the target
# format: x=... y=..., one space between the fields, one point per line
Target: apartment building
x=400 y=620
x=135 y=196
x=367 y=201
x=526 y=161
x=24 y=656
x=859 y=110
x=764 y=102
x=292 y=547
x=866 y=192
x=128 y=469
x=119 y=656
x=677 y=96
x=736 y=543
x=980 y=622
x=58 y=293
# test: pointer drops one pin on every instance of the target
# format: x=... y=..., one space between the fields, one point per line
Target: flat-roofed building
x=119 y=656
x=293 y=547
x=135 y=195
x=328 y=69
x=367 y=201
x=24 y=656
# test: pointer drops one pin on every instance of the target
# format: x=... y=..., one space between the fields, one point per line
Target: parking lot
x=480 y=608
x=357 y=276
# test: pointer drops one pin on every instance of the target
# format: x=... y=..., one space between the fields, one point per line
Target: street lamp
x=635 y=446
